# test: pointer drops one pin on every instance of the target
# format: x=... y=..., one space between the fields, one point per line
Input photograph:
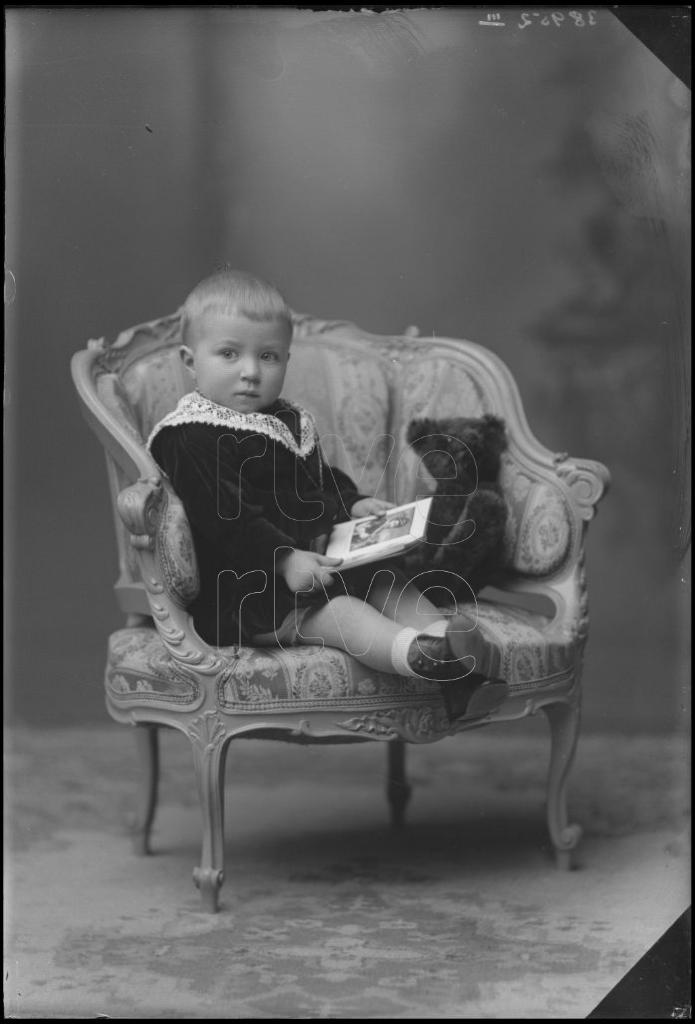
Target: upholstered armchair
x=363 y=390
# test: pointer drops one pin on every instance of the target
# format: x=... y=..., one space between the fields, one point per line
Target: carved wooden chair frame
x=150 y=598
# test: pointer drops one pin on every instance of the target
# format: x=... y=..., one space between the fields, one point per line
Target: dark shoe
x=431 y=657
x=475 y=697
x=469 y=643
x=466 y=694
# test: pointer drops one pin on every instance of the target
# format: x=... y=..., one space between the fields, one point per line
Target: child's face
x=236 y=362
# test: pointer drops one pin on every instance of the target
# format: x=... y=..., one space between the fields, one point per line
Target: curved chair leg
x=147 y=742
x=564 y=719
x=398 y=790
x=210 y=743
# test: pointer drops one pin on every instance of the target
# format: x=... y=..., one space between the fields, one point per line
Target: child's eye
x=228 y=353
x=270 y=356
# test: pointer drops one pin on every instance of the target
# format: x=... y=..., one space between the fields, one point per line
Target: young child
x=261 y=500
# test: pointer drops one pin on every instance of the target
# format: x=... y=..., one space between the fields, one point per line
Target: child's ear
x=186 y=357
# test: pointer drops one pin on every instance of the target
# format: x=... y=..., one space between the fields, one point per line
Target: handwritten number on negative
x=556 y=18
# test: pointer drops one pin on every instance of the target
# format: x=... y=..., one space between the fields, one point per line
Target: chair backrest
x=363 y=389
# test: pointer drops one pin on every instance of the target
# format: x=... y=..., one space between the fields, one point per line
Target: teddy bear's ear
x=418 y=429
x=492 y=422
x=495 y=432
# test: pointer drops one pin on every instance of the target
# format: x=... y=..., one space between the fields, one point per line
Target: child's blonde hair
x=235 y=292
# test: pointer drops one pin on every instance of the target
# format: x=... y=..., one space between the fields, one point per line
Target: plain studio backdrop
x=523 y=185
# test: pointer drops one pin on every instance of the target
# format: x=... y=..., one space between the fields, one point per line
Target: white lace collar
x=195 y=408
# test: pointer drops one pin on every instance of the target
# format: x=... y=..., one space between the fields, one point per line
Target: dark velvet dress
x=251 y=485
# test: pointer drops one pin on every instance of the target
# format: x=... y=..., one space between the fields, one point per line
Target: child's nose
x=250 y=369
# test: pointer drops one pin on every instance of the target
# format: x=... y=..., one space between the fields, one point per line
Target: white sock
x=399 y=651
x=401 y=645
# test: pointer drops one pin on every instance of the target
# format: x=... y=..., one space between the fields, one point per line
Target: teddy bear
x=467 y=519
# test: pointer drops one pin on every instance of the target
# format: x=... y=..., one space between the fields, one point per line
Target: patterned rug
x=326 y=912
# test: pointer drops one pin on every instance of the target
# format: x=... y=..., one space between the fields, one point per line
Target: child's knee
x=345 y=608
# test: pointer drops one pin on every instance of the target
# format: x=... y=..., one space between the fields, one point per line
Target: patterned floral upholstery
x=314 y=678
x=154 y=385
x=350 y=398
x=118 y=402
x=139 y=670
x=532 y=656
x=539 y=522
x=175 y=551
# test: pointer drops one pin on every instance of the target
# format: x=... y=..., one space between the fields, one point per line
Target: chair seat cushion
x=313 y=678
x=140 y=670
x=533 y=655
x=254 y=680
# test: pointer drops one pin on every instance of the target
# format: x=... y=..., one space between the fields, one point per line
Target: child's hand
x=369 y=507
x=307 y=570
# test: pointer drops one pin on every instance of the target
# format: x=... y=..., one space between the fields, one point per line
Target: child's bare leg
x=400 y=600
x=355 y=627
x=396 y=597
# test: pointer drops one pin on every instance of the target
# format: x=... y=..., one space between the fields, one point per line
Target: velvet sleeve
x=342 y=488
x=207 y=478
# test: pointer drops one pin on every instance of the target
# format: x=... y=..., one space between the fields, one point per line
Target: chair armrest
x=159 y=530
x=586 y=480
x=156 y=521
x=563 y=593
x=139 y=506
